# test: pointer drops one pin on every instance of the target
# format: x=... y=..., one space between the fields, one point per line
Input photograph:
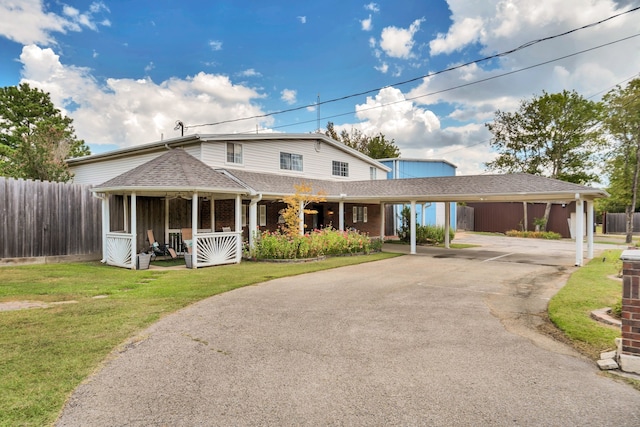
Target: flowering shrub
x=328 y=241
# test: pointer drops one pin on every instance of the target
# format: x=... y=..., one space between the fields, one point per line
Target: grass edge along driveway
x=46 y=353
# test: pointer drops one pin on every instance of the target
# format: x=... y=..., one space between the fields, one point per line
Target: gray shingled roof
x=521 y=187
x=174 y=170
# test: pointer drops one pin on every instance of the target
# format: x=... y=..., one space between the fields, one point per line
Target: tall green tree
x=553 y=135
x=376 y=147
x=623 y=162
x=35 y=138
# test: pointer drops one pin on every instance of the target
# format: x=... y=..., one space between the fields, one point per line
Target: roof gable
x=174 y=169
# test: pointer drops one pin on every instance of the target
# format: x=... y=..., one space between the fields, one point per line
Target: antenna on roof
x=179 y=125
x=318 y=113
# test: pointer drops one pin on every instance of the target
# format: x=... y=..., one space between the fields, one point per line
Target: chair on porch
x=159 y=248
x=226 y=229
x=187 y=239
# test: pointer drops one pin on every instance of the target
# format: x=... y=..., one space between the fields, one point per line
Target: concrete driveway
x=415 y=340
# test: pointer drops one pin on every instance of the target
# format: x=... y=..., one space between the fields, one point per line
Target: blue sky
x=125 y=71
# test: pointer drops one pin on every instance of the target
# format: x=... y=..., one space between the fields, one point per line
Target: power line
x=468 y=84
x=477 y=61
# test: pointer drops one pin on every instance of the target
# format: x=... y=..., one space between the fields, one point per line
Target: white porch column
x=590 y=227
x=412 y=223
x=238 y=221
x=194 y=230
x=134 y=232
x=106 y=225
x=382 y=220
x=578 y=231
x=253 y=221
x=341 y=215
x=447 y=224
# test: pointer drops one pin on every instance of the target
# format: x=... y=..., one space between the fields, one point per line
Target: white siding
x=258 y=156
x=99 y=172
x=264 y=156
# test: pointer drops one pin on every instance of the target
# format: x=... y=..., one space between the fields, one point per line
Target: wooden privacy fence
x=617 y=223
x=48 y=219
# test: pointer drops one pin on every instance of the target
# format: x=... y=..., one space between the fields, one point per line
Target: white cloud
x=28 y=21
x=398 y=42
x=373 y=7
x=289 y=96
x=366 y=24
x=383 y=67
x=215 y=45
x=250 y=72
x=150 y=66
x=128 y=112
x=302 y=19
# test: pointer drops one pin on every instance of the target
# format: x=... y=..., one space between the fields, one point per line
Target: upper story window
x=340 y=168
x=234 y=153
x=291 y=162
x=373 y=173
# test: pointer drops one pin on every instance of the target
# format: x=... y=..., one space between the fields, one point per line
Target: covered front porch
x=183 y=227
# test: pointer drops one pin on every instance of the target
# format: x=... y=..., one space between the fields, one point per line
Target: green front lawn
x=589 y=288
x=46 y=353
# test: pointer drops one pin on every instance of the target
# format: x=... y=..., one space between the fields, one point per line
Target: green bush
x=328 y=241
x=549 y=235
x=431 y=234
x=425 y=234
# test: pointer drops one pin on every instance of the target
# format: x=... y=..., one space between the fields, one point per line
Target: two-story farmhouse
x=226 y=187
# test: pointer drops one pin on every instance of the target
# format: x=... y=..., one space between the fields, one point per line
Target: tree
x=553 y=135
x=623 y=163
x=293 y=221
x=35 y=138
x=376 y=147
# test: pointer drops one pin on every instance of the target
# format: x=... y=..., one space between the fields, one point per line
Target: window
x=262 y=220
x=359 y=214
x=340 y=168
x=291 y=162
x=234 y=153
x=373 y=173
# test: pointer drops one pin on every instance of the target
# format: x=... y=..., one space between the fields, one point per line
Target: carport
x=481 y=188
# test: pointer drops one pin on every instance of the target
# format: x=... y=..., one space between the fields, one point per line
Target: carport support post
x=412 y=223
x=578 y=231
x=447 y=224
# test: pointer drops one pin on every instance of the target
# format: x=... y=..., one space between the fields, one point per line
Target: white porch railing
x=218 y=248
x=119 y=249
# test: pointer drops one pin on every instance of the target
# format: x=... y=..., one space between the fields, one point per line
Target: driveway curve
x=413 y=340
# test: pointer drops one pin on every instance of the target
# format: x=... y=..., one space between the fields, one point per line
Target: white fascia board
x=160 y=190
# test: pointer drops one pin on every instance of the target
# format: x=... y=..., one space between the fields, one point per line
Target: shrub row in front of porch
x=317 y=243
